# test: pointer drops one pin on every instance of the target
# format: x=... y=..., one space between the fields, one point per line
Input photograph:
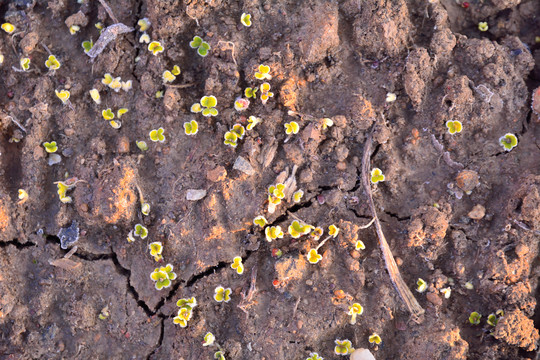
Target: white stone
x=194 y=194
x=362 y=354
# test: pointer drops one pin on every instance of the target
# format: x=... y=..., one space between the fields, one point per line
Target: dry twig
x=247 y=300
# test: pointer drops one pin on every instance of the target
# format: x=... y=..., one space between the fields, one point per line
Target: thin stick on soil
x=404 y=292
x=109 y=11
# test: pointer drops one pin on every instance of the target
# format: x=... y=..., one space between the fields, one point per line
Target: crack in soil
x=15 y=242
x=160 y=341
x=396 y=216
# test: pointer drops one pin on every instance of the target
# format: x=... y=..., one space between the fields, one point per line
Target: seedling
x=168 y=77
x=99 y=26
x=163 y=276
x=145 y=208
x=218 y=355
x=191 y=128
x=265 y=92
x=7 y=27
x=273 y=233
x=141 y=231
x=245 y=19
x=277 y=190
x=94 y=94
x=107 y=79
x=263 y=73
x=317 y=233
x=492 y=320
x=104 y=313
x=239 y=130
x=155 y=47
x=376 y=175
x=291 y=128
x=313 y=256
x=297 y=229
x=52 y=63
x=314 y=356
x=107 y=114
x=176 y=70
x=421 y=285
x=207 y=106
x=354 y=310
x=50 y=147
x=474 y=318
x=468 y=285
x=446 y=292
x=260 y=221
x=156 y=248
x=222 y=295
x=73 y=29
x=144 y=24
x=142 y=145
x=130 y=237
x=231 y=139
x=483 y=26
x=360 y=245
x=333 y=230
x=127 y=85
x=343 y=347
x=63 y=188
x=191 y=303
x=202 y=47
x=326 y=123
x=237 y=265
x=25 y=64
x=157 y=135
x=209 y=339
x=159 y=94
x=63 y=95
x=87 y=45
x=121 y=112
x=390 y=97
x=508 y=141
x=297 y=196
x=374 y=339
x=250 y=92
x=252 y=122
x=241 y=104
x=454 y=126
x=145 y=38
x=23 y=196
x=183 y=316
x=277 y=253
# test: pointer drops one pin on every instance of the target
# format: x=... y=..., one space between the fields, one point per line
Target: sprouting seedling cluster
x=207 y=106
x=298 y=229
x=377 y=176
x=108 y=115
x=234 y=134
x=355 y=310
x=170 y=75
x=116 y=83
x=163 y=276
x=202 y=46
x=191 y=127
x=138 y=231
x=64 y=187
x=52 y=63
x=156 y=250
x=185 y=312
x=50 y=147
x=313 y=256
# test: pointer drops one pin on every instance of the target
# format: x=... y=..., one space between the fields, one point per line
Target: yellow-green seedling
x=141 y=231
x=25 y=64
x=127 y=85
x=121 y=112
x=145 y=208
x=314 y=356
x=50 y=147
x=260 y=221
x=508 y=141
x=360 y=245
x=209 y=339
x=116 y=84
x=250 y=92
x=390 y=97
x=7 y=27
x=446 y=292
x=163 y=276
x=241 y=104
x=317 y=233
x=191 y=127
x=145 y=38
x=237 y=265
x=297 y=229
x=104 y=313
x=273 y=233
x=52 y=63
x=176 y=70
x=252 y=122
x=333 y=230
x=107 y=79
x=63 y=95
x=277 y=191
x=454 y=126
x=222 y=295
x=291 y=128
x=343 y=347
x=219 y=355
x=87 y=45
x=326 y=123
x=142 y=145
x=23 y=196
x=263 y=73
x=468 y=285
x=355 y=310
x=183 y=316
x=115 y=124
x=144 y=24
x=474 y=318
x=297 y=196
x=245 y=19
x=191 y=303
x=157 y=135
x=265 y=92
x=130 y=237
x=73 y=29
x=63 y=188
x=239 y=130
x=492 y=320
x=168 y=77
x=421 y=285
x=99 y=26
x=206 y=106
x=107 y=114
x=231 y=139
x=483 y=26
x=374 y=339
x=313 y=256
x=376 y=175
x=155 y=47
x=94 y=94
x=156 y=249
x=202 y=47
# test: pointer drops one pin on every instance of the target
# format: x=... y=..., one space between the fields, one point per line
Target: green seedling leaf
x=144 y=24
x=141 y=231
x=231 y=139
x=273 y=233
x=252 y=122
x=260 y=221
x=203 y=49
x=222 y=295
x=376 y=176
x=157 y=135
x=333 y=230
x=25 y=64
x=163 y=276
x=191 y=128
x=142 y=145
x=155 y=47
x=107 y=114
x=421 y=285
x=87 y=45
x=250 y=92
x=313 y=256
x=239 y=130
x=454 y=126
x=168 y=77
x=474 y=318
x=63 y=95
x=245 y=19
x=121 y=112
x=52 y=63
x=176 y=70
x=343 y=347
x=237 y=265
x=263 y=73
x=375 y=339
x=50 y=147
x=156 y=249
x=209 y=339
x=292 y=128
x=145 y=208
x=508 y=141
x=297 y=196
x=314 y=356
x=197 y=41
x=94 y=94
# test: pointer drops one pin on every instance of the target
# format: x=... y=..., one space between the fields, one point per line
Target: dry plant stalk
x=107 y=35
x=403 y=290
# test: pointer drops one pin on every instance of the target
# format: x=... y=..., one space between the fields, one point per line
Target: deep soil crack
x=160 y=341
x=17 y=244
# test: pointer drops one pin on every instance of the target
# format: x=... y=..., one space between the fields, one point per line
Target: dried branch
x=247 y=300
x=107 y=35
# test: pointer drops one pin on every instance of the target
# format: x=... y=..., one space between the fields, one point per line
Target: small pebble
x=434 y=299
x=194 y=195
x=244 y=166
x=54 y=159
x=477 y=213
x=362 y=354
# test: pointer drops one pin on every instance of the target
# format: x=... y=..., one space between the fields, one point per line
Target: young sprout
x=52 y=63
x=245 y=19
x=360 y=245
x=209 y=104
x=127 y=85
x=202 y=47
x=326 y=123
x=231 y=139
x=107 y=79
x=145 y=38
x=116 y=84
x=168 y=77
x=191 y=127
x=141 y=231
x=155 y=47
x=176 y=70
x=492 y=320
x=156 y=248
x=421 y=285
x=145 y=208
x=218 y=355
x=263 y=73
x=63 y=187
x=239 y=130
x=297 y=196
x=252 y=122
x=191 y=303
x=107 y=114
x=116 y=124
x=273 y=232
x=50 y=147
x=474 y=318
x=121 y=112
x=222 y=295
x=483 y=26
x=241 y=104
x=277 y=190
x=508 y=141
x=73 y=29
x=314 y=356
x=94 y=94
x=209 y=339
x=7 y=27
x=317 y=233
x=87 y=45
x=22 y=195
x=142 y=145
x=250 y=92
x=333 y=230
x=130 y=237
x=99 y=26
x=144 y=24
x=183 y=316
x=63 y=95
x=468 y=285
x=354 y=310
x=446 y=292
x=25 y=64
x=374 y=339
x=163 y=276
x=376 y=175
x=343 y=347
x=454 y=126
x=390 y=97
x=297 y=229
x=237 y=265
x=291 y=128
x=313 y=256
x=260 y=221
x=157 y=135
x=265 y=92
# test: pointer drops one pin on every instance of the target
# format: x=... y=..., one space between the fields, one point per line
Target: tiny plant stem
x=353 y=319
x=404 y=292
x=109 y=11
x=46 y=48
x=368 y=224
x=180 y=86
x=230 y=46
x=141 y=197
x=322 y=242
x=17 y=123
